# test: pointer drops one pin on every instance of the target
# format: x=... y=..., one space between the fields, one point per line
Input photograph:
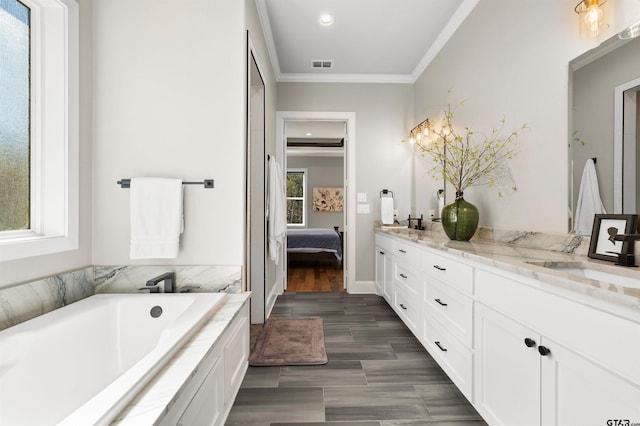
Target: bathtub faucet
x=169 y=279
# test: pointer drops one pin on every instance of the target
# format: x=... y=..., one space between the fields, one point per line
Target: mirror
x=603 y=91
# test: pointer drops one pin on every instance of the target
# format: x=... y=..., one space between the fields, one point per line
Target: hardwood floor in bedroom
x=316 y=276
x=378 y=373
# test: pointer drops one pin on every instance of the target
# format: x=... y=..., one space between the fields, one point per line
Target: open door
x=256 y=229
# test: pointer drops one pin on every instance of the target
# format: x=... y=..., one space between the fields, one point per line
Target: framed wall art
x=328 y=199
x=605 y=227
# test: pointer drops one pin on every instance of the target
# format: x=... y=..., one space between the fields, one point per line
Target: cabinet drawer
x=448 y=270
x=452 y=308
x=383 y=242
x=610 y=341
x=407 y=252
x=452 y=356
x=409 y=279
x=405 y=307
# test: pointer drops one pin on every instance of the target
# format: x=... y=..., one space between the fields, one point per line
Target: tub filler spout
x=169 y=280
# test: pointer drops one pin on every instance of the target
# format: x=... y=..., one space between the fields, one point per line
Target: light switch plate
x=363 y=208
x=361 y=197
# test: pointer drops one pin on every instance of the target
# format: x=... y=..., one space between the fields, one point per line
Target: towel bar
x=208 y=183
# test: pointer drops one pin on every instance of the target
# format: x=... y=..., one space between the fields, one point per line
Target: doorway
x=286 y=120
x=315 y=205
x=626 y=152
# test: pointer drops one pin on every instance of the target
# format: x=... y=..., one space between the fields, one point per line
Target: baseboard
x=271 y=300
x=362 y=287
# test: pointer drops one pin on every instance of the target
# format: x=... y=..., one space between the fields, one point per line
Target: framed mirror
x=604 y=85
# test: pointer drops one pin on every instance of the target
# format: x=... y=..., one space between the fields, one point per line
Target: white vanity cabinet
x=407 y=285
x=384 y=267
x=447 y=302
x=541 y=359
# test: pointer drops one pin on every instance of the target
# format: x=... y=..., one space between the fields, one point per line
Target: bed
x=314 y=240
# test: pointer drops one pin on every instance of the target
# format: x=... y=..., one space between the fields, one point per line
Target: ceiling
x=370 y=40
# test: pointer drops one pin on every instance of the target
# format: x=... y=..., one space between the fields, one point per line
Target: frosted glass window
x=14 y=116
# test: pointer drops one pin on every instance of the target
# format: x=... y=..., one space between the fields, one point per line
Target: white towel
x=589 y=202
x=156 y=218
x=386 y=210
x=277 y=210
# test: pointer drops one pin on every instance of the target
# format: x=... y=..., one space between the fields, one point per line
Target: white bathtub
x=81 y=364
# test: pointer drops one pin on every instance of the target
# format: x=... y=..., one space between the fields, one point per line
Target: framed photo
x=605 y=227
x=328 y=199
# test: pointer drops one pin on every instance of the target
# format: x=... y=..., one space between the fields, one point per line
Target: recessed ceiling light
x=308 y=134
x=326 y=19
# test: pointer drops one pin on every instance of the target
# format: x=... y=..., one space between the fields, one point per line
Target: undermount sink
x=596 y=272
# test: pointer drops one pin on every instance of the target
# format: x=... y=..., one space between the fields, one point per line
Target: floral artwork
x=328 y=199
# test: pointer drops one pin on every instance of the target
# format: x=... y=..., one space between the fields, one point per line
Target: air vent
x=322 y=64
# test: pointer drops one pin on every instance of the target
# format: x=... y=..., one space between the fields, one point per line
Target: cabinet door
x=207 y=407
x=576 y=391
x=380 y=262
x=506 y=370
x=388 y=278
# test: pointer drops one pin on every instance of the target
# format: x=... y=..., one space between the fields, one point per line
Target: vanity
x=525 y=337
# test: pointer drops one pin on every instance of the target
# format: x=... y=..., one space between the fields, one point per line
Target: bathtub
x=81 y=364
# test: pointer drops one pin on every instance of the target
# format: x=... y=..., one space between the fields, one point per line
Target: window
x=296 y=197
x=15 y=171
x=39 y=163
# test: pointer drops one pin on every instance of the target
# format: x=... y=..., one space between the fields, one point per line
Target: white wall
x=510 y=59
x=383 y=114
x=170 y=82
x=32 y=268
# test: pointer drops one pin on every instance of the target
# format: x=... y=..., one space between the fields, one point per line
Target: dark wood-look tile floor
x=378 y=373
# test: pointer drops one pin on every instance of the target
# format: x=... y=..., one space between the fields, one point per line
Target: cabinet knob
x=529 y=342
x=440 y=346
x=402 y=306
x=440 y=302
x=544 y=351
x=439 y=268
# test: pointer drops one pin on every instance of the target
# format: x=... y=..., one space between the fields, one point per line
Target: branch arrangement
x=468 y=158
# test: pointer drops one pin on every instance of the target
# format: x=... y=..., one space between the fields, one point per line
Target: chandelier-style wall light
x=422 y=130
x=592 y=17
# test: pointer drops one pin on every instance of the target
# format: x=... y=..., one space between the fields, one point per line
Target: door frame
x=349 y=225
x=258 y=297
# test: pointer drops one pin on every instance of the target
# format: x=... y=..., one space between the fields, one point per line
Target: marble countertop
x=155 y=400
x=527 y=256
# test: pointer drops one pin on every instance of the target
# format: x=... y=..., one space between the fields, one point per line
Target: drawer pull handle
x=439 y=268
x=544 y=351
x=382 y=253
x=529 y=342
x=440 y=346
x=403 y=276
x=403 y=307
x=402 y=251
x=440 y=302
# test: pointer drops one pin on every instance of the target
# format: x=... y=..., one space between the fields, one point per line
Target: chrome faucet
x=627 y=256
x=153 y=285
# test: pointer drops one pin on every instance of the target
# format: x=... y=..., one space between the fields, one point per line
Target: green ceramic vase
x=460 y=219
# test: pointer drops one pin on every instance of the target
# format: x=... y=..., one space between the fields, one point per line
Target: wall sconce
x=591 y=15
x=422 y=130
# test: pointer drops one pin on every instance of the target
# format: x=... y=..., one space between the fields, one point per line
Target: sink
x=602 y=273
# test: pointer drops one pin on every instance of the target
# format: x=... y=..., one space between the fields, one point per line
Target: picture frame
x=328 y=199
x=605 y=227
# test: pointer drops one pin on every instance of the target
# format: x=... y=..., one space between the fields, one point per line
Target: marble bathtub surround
x=526 y=254
x=25 y=301
x=204 y=279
